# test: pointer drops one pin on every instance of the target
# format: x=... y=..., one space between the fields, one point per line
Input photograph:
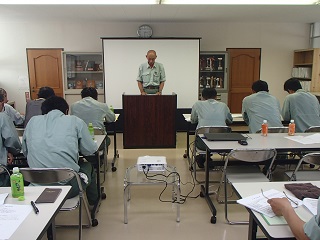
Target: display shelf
x=213 y=72
x=82 y=69
x=306 y=68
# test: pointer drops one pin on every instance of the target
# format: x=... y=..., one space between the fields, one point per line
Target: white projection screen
x=123 y=56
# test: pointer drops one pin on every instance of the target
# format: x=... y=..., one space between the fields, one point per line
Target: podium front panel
x=149 y=121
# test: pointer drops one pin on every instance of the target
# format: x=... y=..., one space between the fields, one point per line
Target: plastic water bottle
x=91 y=130
x=292 y=128
x=264 y=128
x=17 y=184
x=111 y=108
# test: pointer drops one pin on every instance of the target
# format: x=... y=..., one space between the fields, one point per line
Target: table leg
x=51 y=231
x=252 y=234
x=125 y=201
x=205 y=190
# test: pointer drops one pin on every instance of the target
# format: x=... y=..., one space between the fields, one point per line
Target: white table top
x=34 y=224
x=237 y=117
x=273 y=140
x=275 y=231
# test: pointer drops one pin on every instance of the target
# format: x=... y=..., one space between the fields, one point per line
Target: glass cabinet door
x=213 y=71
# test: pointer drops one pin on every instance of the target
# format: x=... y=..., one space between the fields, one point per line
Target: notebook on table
x=224 y=136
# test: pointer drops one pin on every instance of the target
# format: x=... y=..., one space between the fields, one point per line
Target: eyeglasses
x=290 y=199
x=296 y=203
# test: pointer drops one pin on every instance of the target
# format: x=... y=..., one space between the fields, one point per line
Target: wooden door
x=45 y=69
x=244 y=69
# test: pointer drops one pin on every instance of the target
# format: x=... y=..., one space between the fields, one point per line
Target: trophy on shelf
x=202 y=64
x=220 y=66
x=218 y=82
x=208 y=80
x=210 y=64
x=201 y=81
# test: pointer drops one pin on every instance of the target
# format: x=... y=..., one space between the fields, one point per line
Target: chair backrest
x=311 y=158
x=213 y=129
x=253 y=156
x=313 y=129
x=276 y=130
x=49 y=175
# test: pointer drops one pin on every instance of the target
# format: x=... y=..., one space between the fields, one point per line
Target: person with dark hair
x=9 y=142
x=209 y=112
x=90 y=110
x=151 y=75
x=15 y=116
x=55 y=139
x=33 y=107
x=259 y=106
x=300 y=106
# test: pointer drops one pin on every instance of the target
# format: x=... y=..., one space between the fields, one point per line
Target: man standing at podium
x=151 y=76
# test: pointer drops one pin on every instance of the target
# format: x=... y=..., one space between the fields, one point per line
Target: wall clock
x=144 y=31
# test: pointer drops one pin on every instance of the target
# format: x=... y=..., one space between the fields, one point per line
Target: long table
x=36 y=225
x=255 y=219
x=277 y=141
x=238 y=125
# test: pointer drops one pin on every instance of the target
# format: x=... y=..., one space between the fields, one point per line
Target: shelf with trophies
x=82 y=69
x=213 y=73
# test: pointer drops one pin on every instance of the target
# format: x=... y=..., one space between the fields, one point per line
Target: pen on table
x=36 y=210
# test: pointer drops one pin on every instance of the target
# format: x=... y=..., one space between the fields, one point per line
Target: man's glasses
x=291 y=200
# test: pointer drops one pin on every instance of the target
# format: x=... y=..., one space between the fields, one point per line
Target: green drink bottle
x=17 y=184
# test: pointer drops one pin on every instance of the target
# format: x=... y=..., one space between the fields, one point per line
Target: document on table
x=259 y=203
x=11 y=216
x=314 y=138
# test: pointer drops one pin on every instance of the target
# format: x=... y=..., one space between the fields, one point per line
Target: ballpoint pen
x=36 y=210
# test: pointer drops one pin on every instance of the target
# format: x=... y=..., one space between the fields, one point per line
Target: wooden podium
x=149 y=121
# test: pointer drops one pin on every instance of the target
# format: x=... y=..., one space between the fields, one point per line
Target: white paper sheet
x=311 y=204
x=259 y=203
x=314 y=138
x=11 y=216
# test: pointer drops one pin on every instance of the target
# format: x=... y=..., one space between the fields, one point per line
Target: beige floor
x=148 y=218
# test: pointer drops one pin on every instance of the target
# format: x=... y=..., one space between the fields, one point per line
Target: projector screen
x=179 y=56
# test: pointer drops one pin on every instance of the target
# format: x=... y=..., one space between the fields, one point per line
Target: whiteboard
x=179 y=56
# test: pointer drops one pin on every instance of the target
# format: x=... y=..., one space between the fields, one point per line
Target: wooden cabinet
x=306 y=67
x=82 y=70
x=213 y=73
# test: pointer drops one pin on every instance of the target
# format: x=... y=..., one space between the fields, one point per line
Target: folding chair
x=51 y=176
x=276 y=130
x=102 y=152
x=196 y=151
x=306 y=175
x=313 y=129
x=4 y=176
x=245 y=170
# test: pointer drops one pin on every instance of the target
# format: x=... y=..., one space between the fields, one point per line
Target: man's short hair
x=89 y=92
x=54 y=103
x=260 y=85
x=1 y=97
x=3 y=92
x=209 y=93
x=292 y=84
x=45 y=92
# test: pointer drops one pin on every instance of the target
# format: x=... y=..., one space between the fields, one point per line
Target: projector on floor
x=152 y=164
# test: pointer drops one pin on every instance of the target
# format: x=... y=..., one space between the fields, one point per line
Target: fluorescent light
x=241 y=2
x=81 y=2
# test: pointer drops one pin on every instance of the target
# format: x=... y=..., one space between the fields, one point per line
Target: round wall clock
x=144 y=31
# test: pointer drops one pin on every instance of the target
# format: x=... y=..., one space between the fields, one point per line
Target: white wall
x=277 y=42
